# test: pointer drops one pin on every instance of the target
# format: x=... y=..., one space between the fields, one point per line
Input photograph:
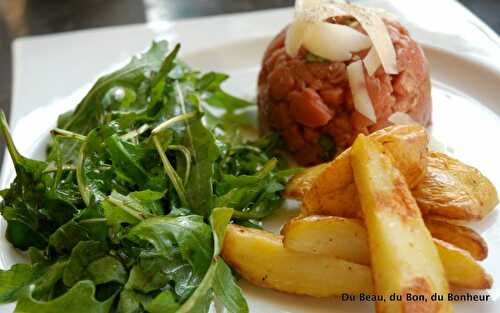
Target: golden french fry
x=260 y=258
x=454 y=190
x=460 y=236
x=333 y=191
x=347 y=239
x=404 y=258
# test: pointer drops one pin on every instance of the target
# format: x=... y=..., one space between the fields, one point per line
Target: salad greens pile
x=128 y=212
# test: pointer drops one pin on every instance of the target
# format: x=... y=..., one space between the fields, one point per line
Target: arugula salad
x=127 y=213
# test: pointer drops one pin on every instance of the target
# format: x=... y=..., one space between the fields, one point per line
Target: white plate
x=55 y=71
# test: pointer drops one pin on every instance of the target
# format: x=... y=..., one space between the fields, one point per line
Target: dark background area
x=34 y=17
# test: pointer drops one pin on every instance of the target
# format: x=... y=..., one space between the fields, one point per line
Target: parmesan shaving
x=373 y=24
x=315 y=10
x=401 y=118
x=372 y=62
x=322 y=38
x=386 y=15
x=307 y=12
x=362 y=102
x=311 y=13
x=295 y=37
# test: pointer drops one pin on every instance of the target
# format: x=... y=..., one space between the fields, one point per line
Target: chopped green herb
x=328 y=145
x=313 y=58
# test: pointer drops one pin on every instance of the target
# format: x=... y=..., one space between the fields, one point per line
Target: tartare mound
x=307 y=99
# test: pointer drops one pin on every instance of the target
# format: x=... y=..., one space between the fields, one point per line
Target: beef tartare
x=320 y=97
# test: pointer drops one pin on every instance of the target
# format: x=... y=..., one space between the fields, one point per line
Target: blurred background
x=35 y=17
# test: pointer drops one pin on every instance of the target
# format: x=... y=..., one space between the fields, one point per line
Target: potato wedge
x=302 y=182
x=333 y=191
x=347 y=239
x=260 y=258
x=454 y=190
x=449 y=187
x=460 y=236
x=344 y=238
x=462 y=271
x=404 y=258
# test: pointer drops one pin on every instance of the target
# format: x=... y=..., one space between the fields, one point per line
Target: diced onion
x=372 y=62
x=374 y=26
x=362 y=102
x=401 y=118
x=333 y=41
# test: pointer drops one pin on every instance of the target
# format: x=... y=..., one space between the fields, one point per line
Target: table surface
x=20 y=18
